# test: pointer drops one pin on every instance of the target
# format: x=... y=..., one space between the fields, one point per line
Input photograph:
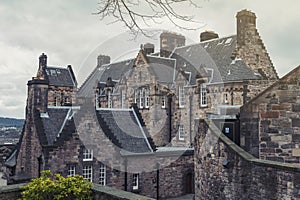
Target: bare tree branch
x=135 y=14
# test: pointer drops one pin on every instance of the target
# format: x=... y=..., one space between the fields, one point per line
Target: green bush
x=57 y=187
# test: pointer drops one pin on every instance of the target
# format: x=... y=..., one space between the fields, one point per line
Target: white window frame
x=181 y=132
x=102 y=175
x=87 y=172
x=181 y=96
x=136 y=96
x=147 y=98
x=71 y=170
x=163 y=101
x=135 y=181
x=109 y=99
x=203 y=95
x=87 y=154
x=142 y=97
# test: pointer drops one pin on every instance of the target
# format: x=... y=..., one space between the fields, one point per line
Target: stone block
x=296 y=137
x=296 y=107
x=296 y=122
x=269 y=114
x=296 y=152
x=288 y=146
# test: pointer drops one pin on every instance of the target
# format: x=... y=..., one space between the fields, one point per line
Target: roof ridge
x=203 y=42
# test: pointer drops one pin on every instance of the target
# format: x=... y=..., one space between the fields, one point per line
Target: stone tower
x=251 y=48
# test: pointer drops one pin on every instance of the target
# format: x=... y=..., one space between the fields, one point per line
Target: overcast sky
x=69 y=33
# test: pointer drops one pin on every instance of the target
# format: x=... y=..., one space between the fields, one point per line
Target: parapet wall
x=225 y=171
x=13 y=192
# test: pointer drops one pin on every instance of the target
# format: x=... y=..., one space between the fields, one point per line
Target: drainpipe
x=125 y=178
x=191 y=117
x=157 y=181
x=170 y=117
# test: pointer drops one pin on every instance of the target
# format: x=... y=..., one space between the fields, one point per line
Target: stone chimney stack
x=102 y=60
x=43 y=60
x=208 y=35
x=245 y=20
x=148 y=48
x=169 y=41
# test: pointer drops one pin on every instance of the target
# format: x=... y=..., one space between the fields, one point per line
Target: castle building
x=132 y=123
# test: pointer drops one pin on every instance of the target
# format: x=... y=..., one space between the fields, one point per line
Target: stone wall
x=270 y=122
x=13 y=192
x=225 y=171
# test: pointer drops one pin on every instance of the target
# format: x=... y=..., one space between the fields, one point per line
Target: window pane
x=87 y=172
x=102 y=175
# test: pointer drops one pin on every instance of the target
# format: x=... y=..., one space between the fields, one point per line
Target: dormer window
x=142 y=97
x=87 y=154
x=181 y=133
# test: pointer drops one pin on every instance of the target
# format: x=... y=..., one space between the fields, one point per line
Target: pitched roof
x=59 y=76
x=54 y=121
x=163 y=69
x=214 y=55
x=101 y=73
x=123 y=128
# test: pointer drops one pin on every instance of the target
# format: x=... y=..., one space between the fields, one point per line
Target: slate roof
x=54 y=121
x=59 y=76
x=163 y=69
x=101 y=73
x=122 y=127
x=214 y=55
x=11 y=161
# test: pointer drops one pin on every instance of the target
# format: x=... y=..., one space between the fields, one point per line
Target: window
x=109 y=100
x=102 y=175
x=87 y=155
x=225 y=97
x=203 y=95
x=87 y=172
x=181 y=132
x=123 y=99
x=181 y=96
x=71 y=171
x=147 y=98
x=136 y=96
x=163 y=101
x=56 y=101
x=142 y=97
x=135 y=182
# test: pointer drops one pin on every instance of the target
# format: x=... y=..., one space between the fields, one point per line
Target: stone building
x=264 y=163
x=132 y=123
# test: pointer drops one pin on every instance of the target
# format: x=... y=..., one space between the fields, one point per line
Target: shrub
x=57 y=187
